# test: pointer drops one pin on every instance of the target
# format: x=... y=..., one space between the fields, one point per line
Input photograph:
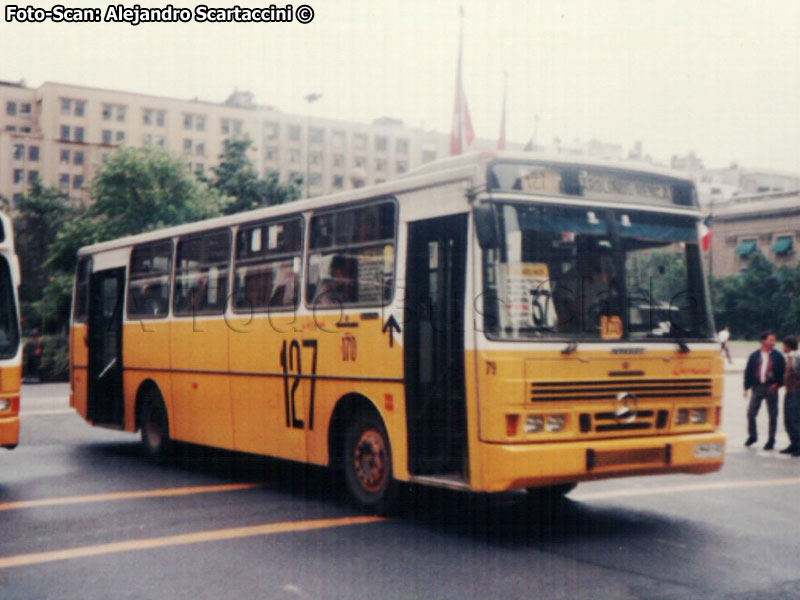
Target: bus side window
x=357 y=267
x=149 y=280
x=201 y=274
x=267 y=265
x=82 y=275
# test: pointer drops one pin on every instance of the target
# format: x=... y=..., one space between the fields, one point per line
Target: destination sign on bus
x=597 y=184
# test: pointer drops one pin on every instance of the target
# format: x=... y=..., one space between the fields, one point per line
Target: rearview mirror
x=486 y=227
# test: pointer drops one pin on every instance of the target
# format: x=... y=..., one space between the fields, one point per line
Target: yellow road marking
x=115 y=496
x=216 y=535
x=690 y=487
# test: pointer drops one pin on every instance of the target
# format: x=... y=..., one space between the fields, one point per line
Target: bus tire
x=367 y=465
x=155 y=426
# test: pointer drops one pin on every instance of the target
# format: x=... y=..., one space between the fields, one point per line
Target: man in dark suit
x=763 y=375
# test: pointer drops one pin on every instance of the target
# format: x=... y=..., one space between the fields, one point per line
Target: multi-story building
x=767 y=222
x=60 y=133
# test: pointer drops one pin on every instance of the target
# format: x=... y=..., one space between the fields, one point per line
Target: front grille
x=559 y=391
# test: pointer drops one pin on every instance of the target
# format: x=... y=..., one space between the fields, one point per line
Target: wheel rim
x=371 y=460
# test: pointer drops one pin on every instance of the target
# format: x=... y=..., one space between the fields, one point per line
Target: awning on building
x=746 y=247
x=783 y=245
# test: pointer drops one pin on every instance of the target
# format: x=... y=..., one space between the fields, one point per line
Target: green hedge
x=54 y=362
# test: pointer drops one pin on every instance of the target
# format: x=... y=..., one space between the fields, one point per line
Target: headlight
x=698 y=416
x=534 y=424
x=555 y=423
x=682 y=416
x=5 y=404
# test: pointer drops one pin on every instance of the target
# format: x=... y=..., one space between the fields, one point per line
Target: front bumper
x=9 y=432
x=516 y=466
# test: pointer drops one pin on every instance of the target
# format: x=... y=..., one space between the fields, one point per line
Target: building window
x=161 y=118
x=338 y=160
x=120 y=136
x=294 y=155
x=80 y=108
x=360 y=141
x=317 y=135
x=16 y=199
x=79 y=134
x=237 y=127
x=77 y=182
x=360 y=161
x=33 y=176
x=187 y=145
x=200 y=123
x=380 y=164
x=402 y=166
x=401 y=146
x=65 y=132
x=25 y=129
x=25 y=108
x=199 y=169
x=200 y=148
x=11 y=109
x=272 y=130
x=19 y=151
x=107 y=137
x=33 y=153
x=271 y=153
x=316 y=158
x=747 y=247
x=66 y=107
x=19 y=175
x=225 y=126
x=295 y=131
x=78 y=157
x=147 y=117
x=783 y=245
x=121 y=112
x=428 y=156
x=160 y=140
x=188 y=121
x=338 y=181
x=108 y=111
x=64 y=156
x=315 y=179
x=381 y=143
x=147 y=139
x=63 y=181
x=10 y=128
x=337 y=140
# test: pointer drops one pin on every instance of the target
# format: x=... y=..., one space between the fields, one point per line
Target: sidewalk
x=737 y=366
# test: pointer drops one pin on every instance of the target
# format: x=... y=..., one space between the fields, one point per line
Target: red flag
x=461 y=135
x=705 y=233
x=501 y=141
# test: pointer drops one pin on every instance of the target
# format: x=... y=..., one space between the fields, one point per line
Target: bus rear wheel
x=155 y=427
x=367 y=463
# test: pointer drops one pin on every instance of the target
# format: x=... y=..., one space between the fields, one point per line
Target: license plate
x=709 y=450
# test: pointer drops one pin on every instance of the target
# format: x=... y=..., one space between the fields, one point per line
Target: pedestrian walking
x=723 y=337
x=763 y=376
x=791 y=400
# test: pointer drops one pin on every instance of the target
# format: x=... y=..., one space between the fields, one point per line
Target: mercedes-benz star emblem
x=625 y=408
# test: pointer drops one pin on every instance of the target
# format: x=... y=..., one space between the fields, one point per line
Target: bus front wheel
x=367 y=462
x=155 y=426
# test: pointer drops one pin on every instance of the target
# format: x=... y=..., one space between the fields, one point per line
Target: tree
x=40 y=214
x=236 y=178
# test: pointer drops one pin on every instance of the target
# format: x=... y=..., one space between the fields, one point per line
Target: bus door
x=434 y=346
x=106 y=402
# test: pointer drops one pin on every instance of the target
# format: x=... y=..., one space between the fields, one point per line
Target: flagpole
x=501 y=142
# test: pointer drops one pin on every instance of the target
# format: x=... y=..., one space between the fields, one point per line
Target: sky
x=719 y=78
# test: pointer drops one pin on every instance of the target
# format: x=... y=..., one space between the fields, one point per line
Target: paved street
x=83 y=515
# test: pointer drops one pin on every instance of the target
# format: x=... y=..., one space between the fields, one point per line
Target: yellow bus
x=10 y=347
x=487 y=322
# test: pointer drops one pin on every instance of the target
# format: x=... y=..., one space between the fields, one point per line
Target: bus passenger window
x=267 y=266
x=357 y=267
x=148 y=280
x=201 y=274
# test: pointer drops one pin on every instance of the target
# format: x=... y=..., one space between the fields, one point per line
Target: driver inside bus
x=588 y=290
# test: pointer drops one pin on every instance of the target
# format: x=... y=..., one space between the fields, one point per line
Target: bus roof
x=466 y=167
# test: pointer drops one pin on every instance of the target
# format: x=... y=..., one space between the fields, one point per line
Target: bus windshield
x=594 y=273
x=9 y=331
